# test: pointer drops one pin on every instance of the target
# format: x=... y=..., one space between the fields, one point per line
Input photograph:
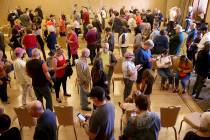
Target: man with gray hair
x=46 y=122
x=41 y=80
x=143 y=57
x=109 y=60
x=84 y=78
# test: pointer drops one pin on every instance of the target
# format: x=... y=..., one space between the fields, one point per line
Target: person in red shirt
x=138 y=18
x=73 y=45
x=29 y=42
x=85 y=20
x=62 y=25
x=59 y=66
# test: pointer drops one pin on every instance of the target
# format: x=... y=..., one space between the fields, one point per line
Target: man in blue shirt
x=46 y=122
x=143 y=57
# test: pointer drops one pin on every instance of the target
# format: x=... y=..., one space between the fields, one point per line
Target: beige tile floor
x=158 y=98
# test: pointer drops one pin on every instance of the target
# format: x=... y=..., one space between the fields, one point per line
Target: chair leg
x=58 y=131
x=181 y=126
x=75 y=132
x=113 y=85
x=175 y=133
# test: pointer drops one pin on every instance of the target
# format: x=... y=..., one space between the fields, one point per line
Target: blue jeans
x=165 y=74
x=41 y=92
x=29 y=52
x=83 y=98
x=183 y=80
x=128 y=87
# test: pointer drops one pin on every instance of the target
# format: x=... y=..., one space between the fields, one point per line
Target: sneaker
x=68 y=95
x=86 y=109
x=199 y=98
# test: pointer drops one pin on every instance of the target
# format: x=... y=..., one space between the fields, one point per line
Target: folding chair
x=65 y=117
x=168 y=116
x=24 y=117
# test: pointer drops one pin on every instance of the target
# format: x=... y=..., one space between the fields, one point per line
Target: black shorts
x=139 y=76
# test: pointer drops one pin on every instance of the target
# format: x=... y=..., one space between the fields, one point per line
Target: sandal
x=58 y=100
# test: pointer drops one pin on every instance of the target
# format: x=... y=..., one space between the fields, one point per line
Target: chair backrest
x=64 y=115
x=118 y=66
x=24 y=117
x=168 y=115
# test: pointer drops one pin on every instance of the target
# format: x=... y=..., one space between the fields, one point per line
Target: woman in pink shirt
x=73 y=45
x=62 y=25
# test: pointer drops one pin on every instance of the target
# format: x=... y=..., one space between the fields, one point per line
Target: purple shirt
x=91 y=37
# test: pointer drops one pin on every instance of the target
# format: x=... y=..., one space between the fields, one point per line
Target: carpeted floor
x=205 y=93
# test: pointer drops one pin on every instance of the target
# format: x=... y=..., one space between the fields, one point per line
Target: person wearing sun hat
x=100 y=125
x=129 y=73
x=204 y=132
x=176 y=41
x=20 y=72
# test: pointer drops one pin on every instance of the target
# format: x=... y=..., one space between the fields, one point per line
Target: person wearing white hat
x=176 y=41
x=22 y=78
x=204 y=132
x=129 y=73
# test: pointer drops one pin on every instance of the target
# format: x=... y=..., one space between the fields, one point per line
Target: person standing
x=41 y=80
x=202 y=67
x=129 y=73
x=143 y=56
x=85 y=20
x=21 y=76
x=98 y=128
x=72 y=44
x=62 y=25
x=29 y=42
x=109 y=60
x=176 y=41
x=84 y=78
x=91 y=38
x=59 y=65
x=2 y=43
x=46 y=128
x=97 y=24
x=109 y=38
x=103 y=16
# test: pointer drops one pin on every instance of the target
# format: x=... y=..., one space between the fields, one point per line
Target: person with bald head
x=41 y=80
x=46 y=122
x=84 y=78
x=109 y=60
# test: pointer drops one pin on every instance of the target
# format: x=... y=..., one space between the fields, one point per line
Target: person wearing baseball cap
x=21 y=76
x=129 y=73
x=176 y=41
x=101 y=122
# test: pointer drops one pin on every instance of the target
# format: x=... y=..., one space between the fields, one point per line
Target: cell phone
x=81 y=117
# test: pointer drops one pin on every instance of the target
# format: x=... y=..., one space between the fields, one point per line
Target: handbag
x=68 y=70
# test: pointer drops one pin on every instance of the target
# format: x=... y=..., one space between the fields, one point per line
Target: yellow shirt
x=105 y=59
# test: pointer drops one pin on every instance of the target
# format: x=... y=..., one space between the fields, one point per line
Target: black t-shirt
x=192 y=136
x=35 y=71
x=11 y=134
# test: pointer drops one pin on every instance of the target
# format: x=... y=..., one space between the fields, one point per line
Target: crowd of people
x=156 y=42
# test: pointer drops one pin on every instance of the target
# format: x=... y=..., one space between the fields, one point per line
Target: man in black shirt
x=41 y=80
x=202 y=66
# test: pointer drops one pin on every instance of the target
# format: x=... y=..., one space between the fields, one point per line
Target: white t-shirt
x=103 y=13
x=129 y=67
x=205 y=38
x=163 y=61
x=20 y=72
x=76 y=24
